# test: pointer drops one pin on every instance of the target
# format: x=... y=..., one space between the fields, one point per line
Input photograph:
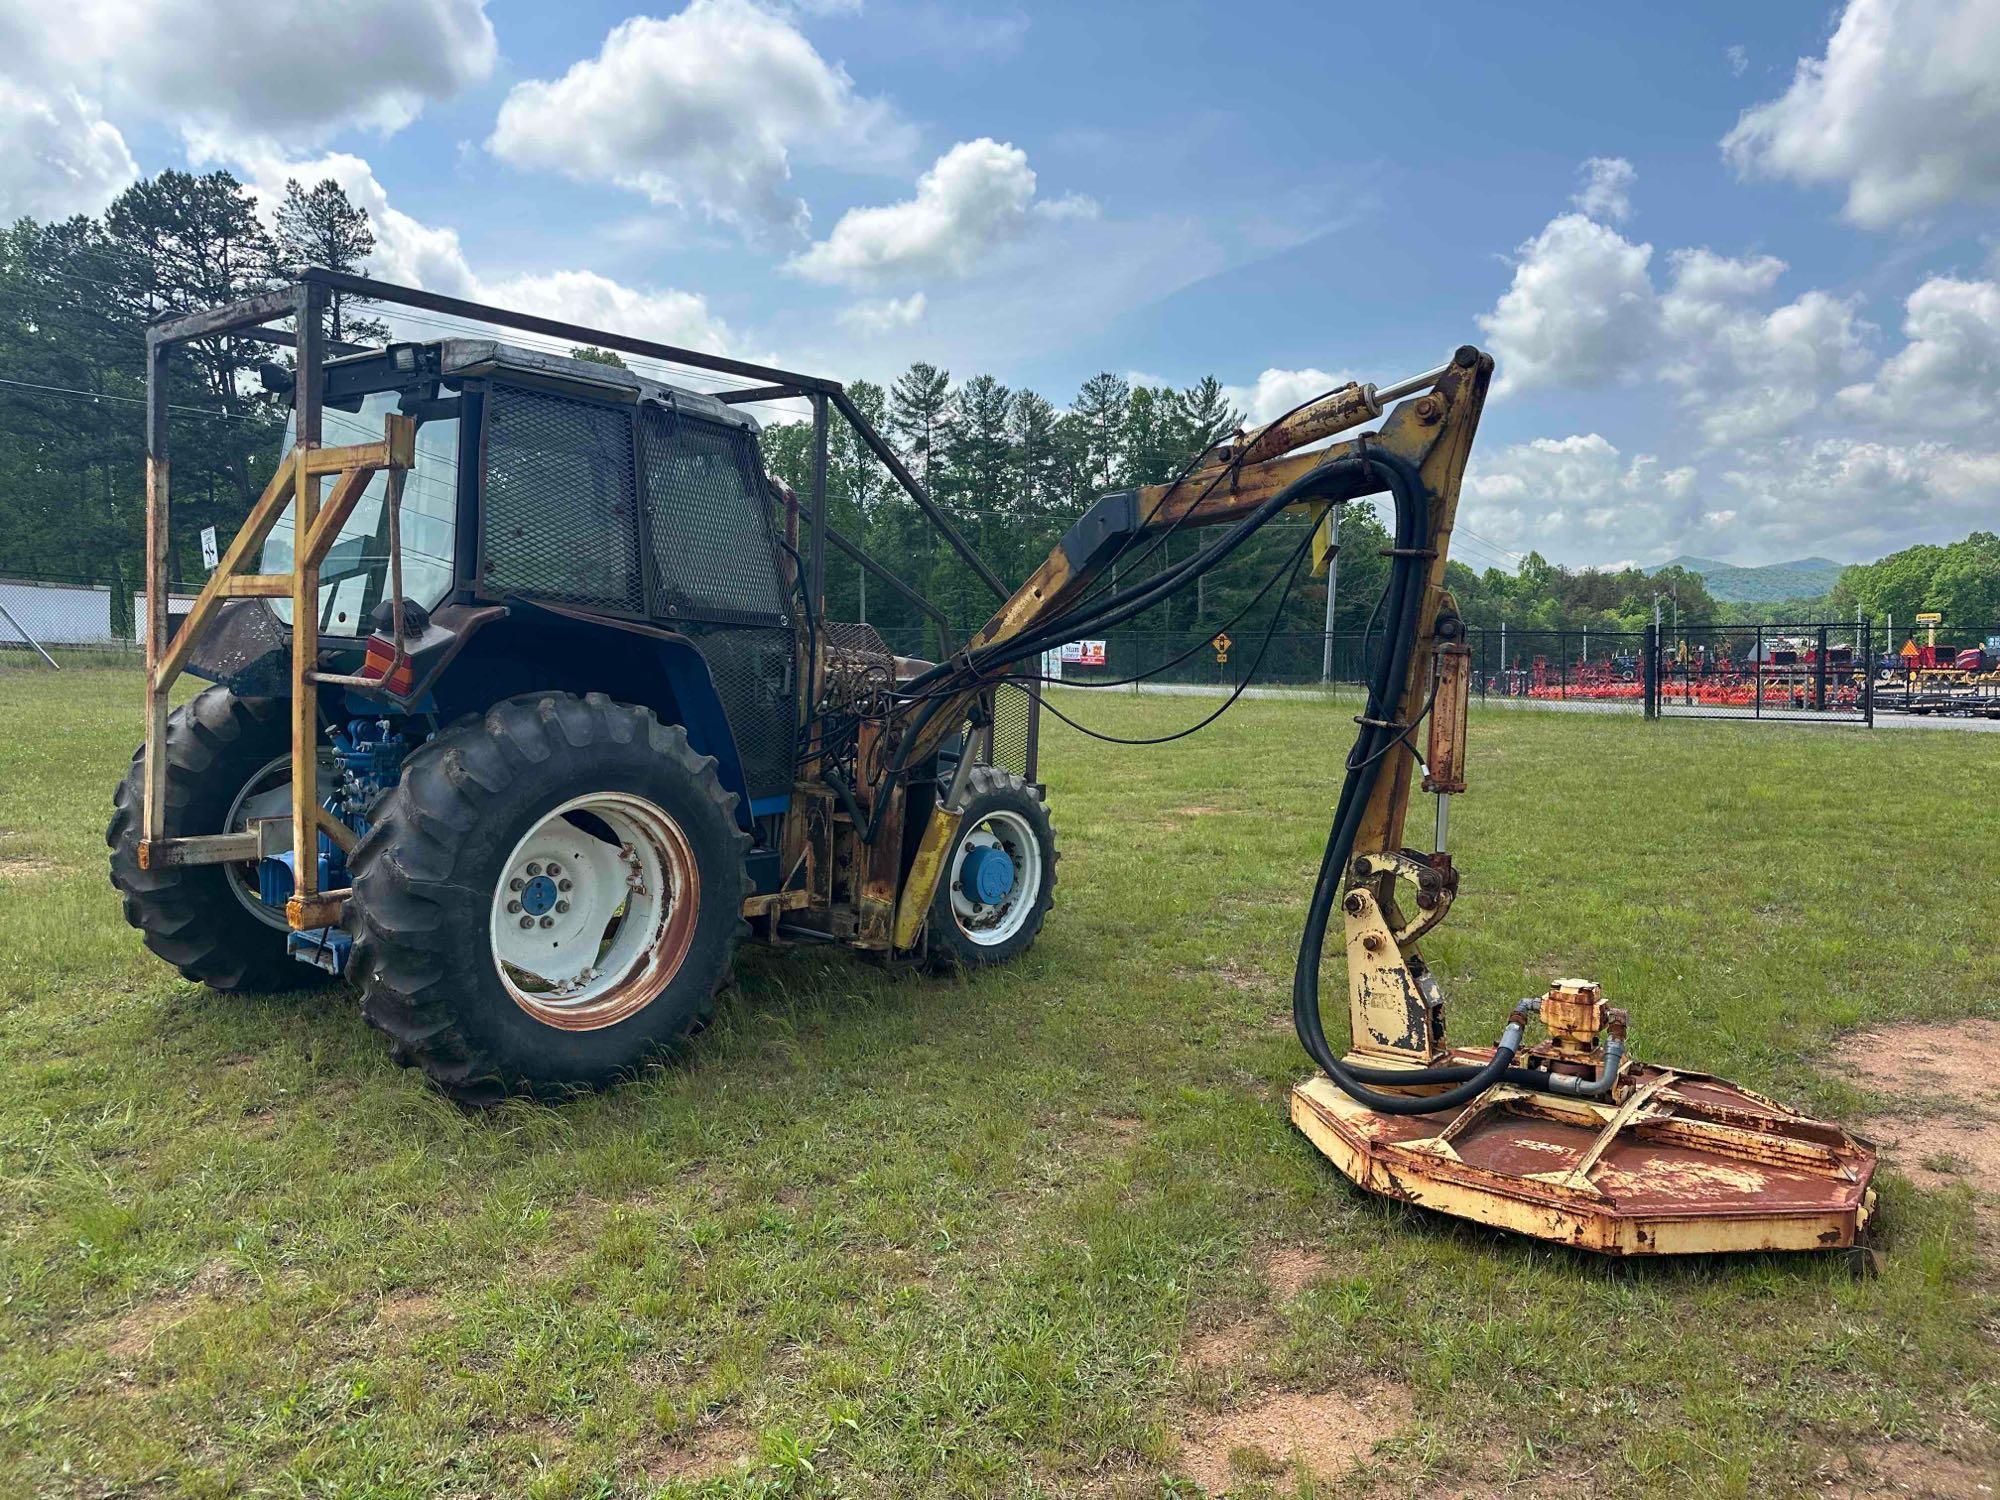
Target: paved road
x=1543 y=705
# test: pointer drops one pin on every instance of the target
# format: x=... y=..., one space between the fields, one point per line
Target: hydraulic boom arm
x=1420 y=453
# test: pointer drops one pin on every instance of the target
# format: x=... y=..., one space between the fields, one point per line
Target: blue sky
x=1737 y=262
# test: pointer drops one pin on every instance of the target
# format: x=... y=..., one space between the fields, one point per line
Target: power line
x=64 y=390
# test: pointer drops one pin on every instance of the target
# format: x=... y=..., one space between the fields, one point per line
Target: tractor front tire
x=973 y=925
x=551 y=819
x=197 y=917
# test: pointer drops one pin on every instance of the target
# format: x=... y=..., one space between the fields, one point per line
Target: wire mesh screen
x=752 y=670
x=1013 y=740
x=860 y=640
x=713 y=552
x=560 y=515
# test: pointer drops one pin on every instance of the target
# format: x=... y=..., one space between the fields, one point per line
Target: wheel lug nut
x=513 y=906
x=527 y=921
x=534 y=868
x=562 y=906
x=564 y=884
x=548 y=921
x=554 y=868
x=516 y=883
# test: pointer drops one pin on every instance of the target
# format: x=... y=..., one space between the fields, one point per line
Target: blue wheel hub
x=987 y=874
x=538 y=896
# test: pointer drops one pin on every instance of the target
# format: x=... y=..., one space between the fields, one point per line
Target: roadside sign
x=1222 y=643
x=210 y=553
x=1930 y=617
x=1084 y=653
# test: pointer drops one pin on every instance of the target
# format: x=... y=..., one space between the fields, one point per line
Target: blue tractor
x=575 y=722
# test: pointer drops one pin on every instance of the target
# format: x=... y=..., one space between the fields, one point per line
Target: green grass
x=880 y=1234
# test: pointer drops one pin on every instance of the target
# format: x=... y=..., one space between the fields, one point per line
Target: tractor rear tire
x=190 y=915
x=1002 y=812
x=441 y=876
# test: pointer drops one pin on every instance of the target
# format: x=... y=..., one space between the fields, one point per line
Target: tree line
x=75 y=298
x=1012 y=467
x=1960 y=580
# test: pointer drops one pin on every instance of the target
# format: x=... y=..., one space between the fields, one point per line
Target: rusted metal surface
x=920 y=885
x=1681 y=1163
x=1395 y=1015
x=1444 y=765
x=1574 y=1011
x=1336 y=411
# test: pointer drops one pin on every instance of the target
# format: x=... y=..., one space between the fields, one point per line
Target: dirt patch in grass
x=24 y=867
x=700 y=1453
x=1199 y=810
x=1954 y=1059
x=1227 y=971
x=1230 y=1346
x=1244 y=1339
x=1290 y=1269
x=1948 y=1130
x=403 y=1309
x=1317 y=1436
x=131 y=1336
x=1909 y=1471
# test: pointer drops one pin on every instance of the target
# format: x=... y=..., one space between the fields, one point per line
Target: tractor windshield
x=355 y=576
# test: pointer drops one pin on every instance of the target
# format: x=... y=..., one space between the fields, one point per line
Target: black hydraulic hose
x=1134 y=599
x=1402 y=600
x=863 y=824
x=1528 y=1078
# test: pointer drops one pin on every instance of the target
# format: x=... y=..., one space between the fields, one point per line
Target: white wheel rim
x=268 y=794
x=991 y=923
x=587 y=930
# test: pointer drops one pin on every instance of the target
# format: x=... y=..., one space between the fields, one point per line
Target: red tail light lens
x=381 y=653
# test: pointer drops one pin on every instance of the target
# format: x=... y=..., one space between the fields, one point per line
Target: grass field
x=1043 y=1232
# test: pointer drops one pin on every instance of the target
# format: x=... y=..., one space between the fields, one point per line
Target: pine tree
x=186 y=242
x=1103 y=410
x=919 y=412
x=322 y=226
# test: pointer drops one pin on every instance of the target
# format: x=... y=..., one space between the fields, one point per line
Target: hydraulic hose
x=1546 y=1082
x=1401 y=603
x=1114 y=609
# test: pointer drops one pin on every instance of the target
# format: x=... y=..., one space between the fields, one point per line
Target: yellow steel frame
x=316 y=523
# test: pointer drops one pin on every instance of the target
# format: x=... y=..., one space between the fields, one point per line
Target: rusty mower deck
x=1681 y=1163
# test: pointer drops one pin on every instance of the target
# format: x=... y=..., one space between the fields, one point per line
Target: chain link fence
x=1819 y=671
x=50 y=622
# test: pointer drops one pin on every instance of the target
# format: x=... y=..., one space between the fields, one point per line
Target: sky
x=1739 y=265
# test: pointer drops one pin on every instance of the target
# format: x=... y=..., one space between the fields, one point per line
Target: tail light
x=380 y=658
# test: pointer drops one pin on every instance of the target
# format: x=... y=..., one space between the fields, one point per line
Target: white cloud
x=1577 y=494
x=664 y=314
x=410 y=252
x=1580 y=310
x=287 y=70
x=704 y=110
x=978 y=195
x=1276 y=392
x=883 y=314
x=1901 y=111
x=1606 y=193
x=58 y=155
x=1738 y=58
x=1948 y=374
x=1749 y=374
x=1859 y=498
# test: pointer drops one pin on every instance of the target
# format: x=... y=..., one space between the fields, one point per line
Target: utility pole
x=1332 y=589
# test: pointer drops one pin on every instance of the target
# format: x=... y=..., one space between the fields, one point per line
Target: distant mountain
x=1807 y=578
